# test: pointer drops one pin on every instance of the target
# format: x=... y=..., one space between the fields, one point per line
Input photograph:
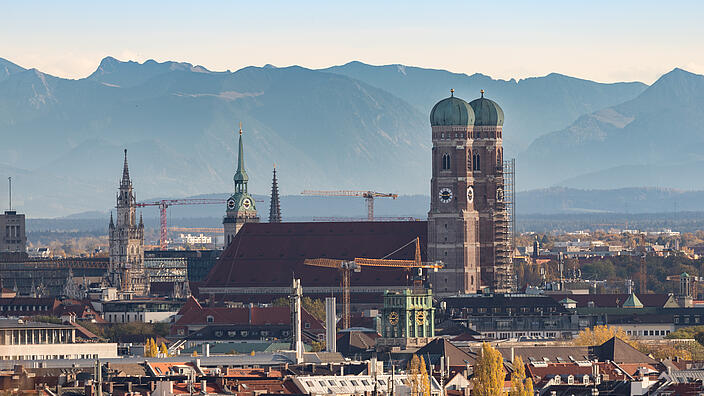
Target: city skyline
x=628 y=41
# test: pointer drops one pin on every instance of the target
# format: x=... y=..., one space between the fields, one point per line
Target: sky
x=605 y=41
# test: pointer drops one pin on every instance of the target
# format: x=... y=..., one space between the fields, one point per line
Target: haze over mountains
x=353 y=126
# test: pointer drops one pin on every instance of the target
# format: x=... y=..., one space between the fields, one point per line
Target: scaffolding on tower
x=504 y=228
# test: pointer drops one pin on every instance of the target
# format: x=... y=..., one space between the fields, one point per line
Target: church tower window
x=446 y=161
x=476 y=163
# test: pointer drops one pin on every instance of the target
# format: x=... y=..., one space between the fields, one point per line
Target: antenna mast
x=9 y=181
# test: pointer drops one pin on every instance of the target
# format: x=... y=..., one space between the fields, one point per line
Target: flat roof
x=21 y=324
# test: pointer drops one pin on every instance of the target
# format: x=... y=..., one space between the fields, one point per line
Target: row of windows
x=648 y=332
x=687 y=319
x=510 y=310
x=471 y=135
x=12 y=308
x=475 y=164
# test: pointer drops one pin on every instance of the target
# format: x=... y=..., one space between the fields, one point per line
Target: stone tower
x=467 y=222
x=126 y=270
x=274 y=204
x=240 y=206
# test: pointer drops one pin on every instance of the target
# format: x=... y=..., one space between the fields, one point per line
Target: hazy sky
x=600 y=40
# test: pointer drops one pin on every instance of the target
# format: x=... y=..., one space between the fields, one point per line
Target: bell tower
x=240 y=206
x=453 y=221
x=468 y=227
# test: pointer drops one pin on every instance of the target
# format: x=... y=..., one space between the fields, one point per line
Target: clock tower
x=467 y=221
x=240 y=206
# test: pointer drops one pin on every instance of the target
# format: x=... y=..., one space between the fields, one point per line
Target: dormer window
x=209 y=319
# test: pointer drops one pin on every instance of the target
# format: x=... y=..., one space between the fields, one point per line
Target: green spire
x=241 y=177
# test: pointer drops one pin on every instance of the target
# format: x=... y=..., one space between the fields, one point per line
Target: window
x=446 y=161
x=209 y=319
x=307 y=325
x=476 y=162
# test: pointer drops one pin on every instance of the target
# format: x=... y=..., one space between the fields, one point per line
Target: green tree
x=489 y=373
x=520 y=385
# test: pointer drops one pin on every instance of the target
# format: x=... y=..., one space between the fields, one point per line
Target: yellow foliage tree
x=148 y=348
x=153 y=349
x=413 y=373
x=520 y=385
x=163 y=350
x=424 y=387
x=489 y=373
x=599 y=335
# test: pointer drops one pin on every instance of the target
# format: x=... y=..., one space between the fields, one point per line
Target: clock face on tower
x=445 y=195
x=420 y=317
x=393 y=318
x=230 y=203
x=470 y=194
x=246 y=203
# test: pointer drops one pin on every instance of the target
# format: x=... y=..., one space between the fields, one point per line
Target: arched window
x=476 y=163
x=469 y=160
x=446 y=161
x=499 y=159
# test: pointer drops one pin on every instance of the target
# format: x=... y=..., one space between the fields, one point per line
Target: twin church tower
x=468 y=227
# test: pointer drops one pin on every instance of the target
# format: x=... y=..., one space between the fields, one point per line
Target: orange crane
x=356 y=264
x=165 y=203
x=367 y=195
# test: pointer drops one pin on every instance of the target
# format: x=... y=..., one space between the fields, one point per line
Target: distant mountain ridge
x=657 y=136
x=353 y=126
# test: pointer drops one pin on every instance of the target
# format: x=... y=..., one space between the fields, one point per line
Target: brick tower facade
x=467 y=221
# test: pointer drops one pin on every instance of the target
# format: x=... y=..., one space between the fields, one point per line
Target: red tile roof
x=269 y=254
x=193 y=313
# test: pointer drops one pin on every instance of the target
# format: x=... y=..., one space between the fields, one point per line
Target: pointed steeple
x=241 y=177
x=274 y=205
x=125 y=172
x=141 y=220
x=112 y=223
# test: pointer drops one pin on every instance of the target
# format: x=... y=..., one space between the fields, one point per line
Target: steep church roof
x=241 y=173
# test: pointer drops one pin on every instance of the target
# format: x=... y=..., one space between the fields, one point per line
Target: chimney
x=205 y=349
x=330 y=325
x=204 y=387
x=513 y=354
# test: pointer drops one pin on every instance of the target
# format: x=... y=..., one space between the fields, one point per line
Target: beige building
x=20 y=340
x=12 y=233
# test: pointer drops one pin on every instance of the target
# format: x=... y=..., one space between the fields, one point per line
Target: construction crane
x=356 y=264
x=367 y=195
x=165 y=203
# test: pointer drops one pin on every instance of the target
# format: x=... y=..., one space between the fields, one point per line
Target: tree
x=520 y=385
x=317 y=346
x=153 y=349
x=413 y=372
x=147 y=348
x=599 y=335
x=424 y=387
x=163 y=350
x=489 y=373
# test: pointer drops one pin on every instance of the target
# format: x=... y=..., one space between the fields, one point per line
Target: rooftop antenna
x=9 y=181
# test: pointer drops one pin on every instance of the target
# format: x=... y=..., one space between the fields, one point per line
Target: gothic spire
x=125 y=172
x=274 y=205
x=241 y=175
x=112 y=224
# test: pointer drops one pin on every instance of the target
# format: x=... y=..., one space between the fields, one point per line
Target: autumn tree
x=163 y=350
x=424 y=379
x=599 y=335
x=489 y=372
x=413 y=372
x=153 y=348
x=520 y=385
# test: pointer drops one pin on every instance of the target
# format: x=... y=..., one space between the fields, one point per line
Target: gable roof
x=269 y=253
x=632 y=302
x=441 y=348
x=618 y=351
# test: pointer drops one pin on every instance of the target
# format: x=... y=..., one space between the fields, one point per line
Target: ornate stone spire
x=125 y=172
x=274 y=205
x=112 y=223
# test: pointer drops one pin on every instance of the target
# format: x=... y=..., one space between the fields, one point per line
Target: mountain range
x=353 y=126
